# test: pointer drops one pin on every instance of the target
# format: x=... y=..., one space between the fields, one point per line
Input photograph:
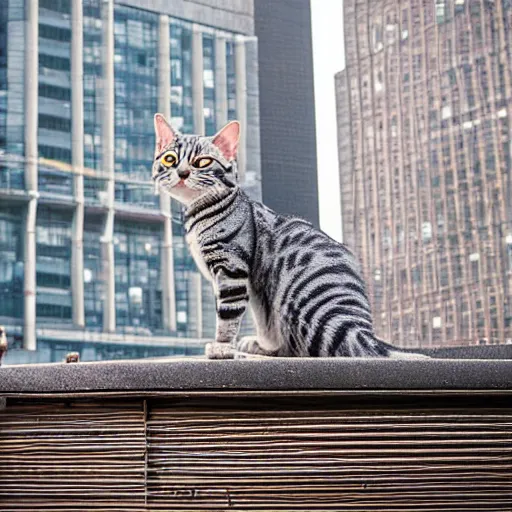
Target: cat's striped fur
x=304 y=289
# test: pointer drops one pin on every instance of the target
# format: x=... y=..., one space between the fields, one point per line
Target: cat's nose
x=183 y=173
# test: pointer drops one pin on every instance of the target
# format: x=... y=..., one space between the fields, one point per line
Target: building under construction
x=424 y=108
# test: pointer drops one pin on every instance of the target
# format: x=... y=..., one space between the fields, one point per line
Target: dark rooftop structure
x=272 y=434
x=272 y=374
x=287 y=111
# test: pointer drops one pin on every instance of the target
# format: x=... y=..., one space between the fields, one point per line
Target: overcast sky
x=328 y=58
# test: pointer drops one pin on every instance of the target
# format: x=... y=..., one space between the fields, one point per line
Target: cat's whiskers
x=157 y=182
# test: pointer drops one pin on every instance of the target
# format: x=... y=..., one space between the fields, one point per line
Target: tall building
x=287 y=109
x=424 y=118
x=90 y=258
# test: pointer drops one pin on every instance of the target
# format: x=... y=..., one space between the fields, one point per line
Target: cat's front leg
x=224 y=346
x=232 y=299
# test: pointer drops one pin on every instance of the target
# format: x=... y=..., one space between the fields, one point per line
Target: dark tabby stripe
x=233 y=291
x=306 y=277
x=226 y=312
x=306 y=258
x=338 y=343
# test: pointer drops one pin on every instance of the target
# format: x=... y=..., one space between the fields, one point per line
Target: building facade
x=90 y=257
x=287 y=107
x=424 y=125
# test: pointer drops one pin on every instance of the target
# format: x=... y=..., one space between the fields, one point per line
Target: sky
x=328 y=59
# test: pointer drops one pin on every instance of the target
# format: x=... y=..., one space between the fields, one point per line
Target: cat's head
x=189 y=166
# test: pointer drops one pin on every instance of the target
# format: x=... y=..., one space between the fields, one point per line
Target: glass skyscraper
x=90 y=259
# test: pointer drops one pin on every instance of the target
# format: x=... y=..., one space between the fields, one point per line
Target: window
x=209 y=84
x=440 y=11
x=136 y=101
x=138 y=283
x=231 y=79
x=54 y=123
x=53 y=265
x=55 y=33
x=52 y=311
x=52 y=62
x=54 y=92
x=11 y=263
x=63 y=6
x=181 y=76
x=92 y=57
x=54 y=153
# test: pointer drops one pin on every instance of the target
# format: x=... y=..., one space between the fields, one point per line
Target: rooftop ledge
x=141 y=377
x=269 y=434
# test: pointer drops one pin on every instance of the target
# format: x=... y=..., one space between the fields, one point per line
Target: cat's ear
x=165 y=135
x=227 y=140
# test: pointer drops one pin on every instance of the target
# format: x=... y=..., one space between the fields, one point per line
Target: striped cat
x=304 y=289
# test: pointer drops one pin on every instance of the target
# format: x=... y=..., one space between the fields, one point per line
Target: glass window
x=231 y=79
x=54 y=123
x=137 y=272
x=11 y=263
x=55 y=92
x=63 y=6
x=92 y=62
x=55 y=33
x=181 y=76
x=94 y=285
x=209 y=84
x=53 y=62
x=136 y=76
x=53 y=264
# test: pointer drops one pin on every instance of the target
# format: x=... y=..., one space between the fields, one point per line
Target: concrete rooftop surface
x=279 y=374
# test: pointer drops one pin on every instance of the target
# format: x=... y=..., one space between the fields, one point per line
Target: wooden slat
x=307 y=459
x=169 y=454
x=76 y=456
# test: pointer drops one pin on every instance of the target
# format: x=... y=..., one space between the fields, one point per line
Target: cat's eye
x=202 y=162
x=169 y=159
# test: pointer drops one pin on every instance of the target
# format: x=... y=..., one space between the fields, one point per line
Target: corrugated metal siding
x=254 y=454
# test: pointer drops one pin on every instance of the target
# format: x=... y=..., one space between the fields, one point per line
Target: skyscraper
x=287 y=108
x=424 y=125
x=90 y=258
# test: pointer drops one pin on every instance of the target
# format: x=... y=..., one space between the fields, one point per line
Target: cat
x=305 y=290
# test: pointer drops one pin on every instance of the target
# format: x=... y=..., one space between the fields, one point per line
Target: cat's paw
x=217 y=350
x=249 y=346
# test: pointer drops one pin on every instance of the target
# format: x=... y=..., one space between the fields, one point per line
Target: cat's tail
x=402 y=353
